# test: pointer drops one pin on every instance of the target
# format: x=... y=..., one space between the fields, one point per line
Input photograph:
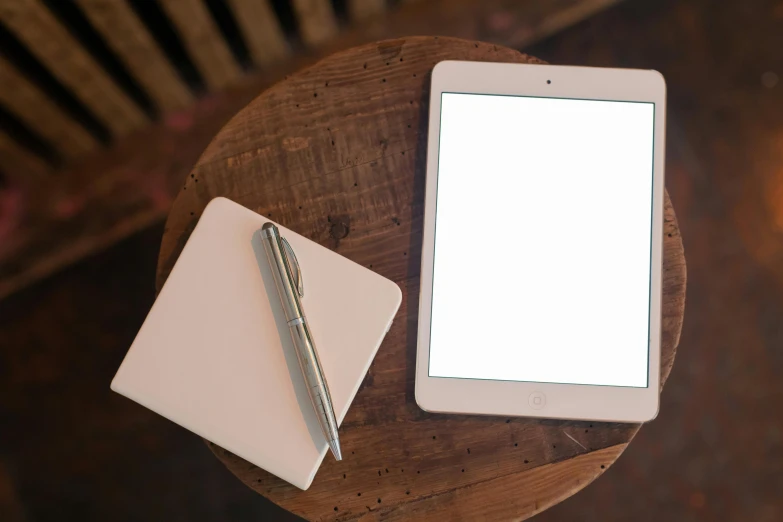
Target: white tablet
x=541 y=262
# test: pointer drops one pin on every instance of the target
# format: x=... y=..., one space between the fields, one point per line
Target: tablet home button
x=537 y=400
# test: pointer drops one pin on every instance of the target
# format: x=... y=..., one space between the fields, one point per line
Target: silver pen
x=288 y=280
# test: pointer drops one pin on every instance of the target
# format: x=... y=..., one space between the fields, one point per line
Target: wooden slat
x=17 y=163
x=129 y=38
x=261 y=30
x=54 y=46
x=570 y=12
x=513 y=24
x=123 y=208
x=317 y=21
x=203 y=41
x=361 y=9
x=21 y=97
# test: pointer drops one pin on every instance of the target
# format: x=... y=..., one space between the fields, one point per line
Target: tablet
x=542 y=246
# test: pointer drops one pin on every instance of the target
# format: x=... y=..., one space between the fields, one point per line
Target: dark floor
x=72 y=450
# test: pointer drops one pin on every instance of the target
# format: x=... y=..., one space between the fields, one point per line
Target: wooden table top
x=337 y=153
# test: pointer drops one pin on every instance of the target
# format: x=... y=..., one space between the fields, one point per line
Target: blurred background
x=106 y=104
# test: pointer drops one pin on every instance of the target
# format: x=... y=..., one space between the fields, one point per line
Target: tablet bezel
x=536 y=399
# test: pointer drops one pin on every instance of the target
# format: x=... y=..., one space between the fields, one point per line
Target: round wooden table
x=337 y=153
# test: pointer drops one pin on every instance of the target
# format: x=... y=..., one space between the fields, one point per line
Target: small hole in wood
x=269 y=215
x=554 y=446
x=411 y=102
x=332 y=143
x=398 y=223
x=259 y=481
x=468 y=451
x=339 y=230
x=192 y=214
x=335 y=508
x=403 y=153
x=476 y=46
x=343 y=475
x=591 y=425
x=315 y=95
x=527 y=461
x=670 y=235
x=434 y=437
x=402 y=470
x=370 y=266
x=508 y=420
x=196 y=180
x=463 y=470
x=192 y=175
x=387 y=470
x=383 y=81
x=405 y=254
x=300 y=207
x=355 y=184
x=326 y=84
x=387 y=63
x=297 y=105
x=184 y=188
x=409 y=126
x=365 y=65
x=352 y=453
x=586 y=431
x=603 y=467
x=379 y=473
x=379 y=501
x=516 y=444
x=418 y=472
x=414 y=75
x=407 y=492
x=358 y=494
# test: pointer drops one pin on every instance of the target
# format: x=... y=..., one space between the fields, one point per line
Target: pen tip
x=334 y=445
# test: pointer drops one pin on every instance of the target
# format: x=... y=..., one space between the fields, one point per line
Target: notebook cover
x=215 y=355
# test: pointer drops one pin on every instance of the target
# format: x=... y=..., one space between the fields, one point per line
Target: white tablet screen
x=543 y=240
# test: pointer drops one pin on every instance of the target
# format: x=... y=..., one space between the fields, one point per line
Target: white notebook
x=215 y=355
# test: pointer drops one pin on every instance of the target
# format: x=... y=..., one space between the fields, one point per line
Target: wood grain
x=528 y=492
x=316 y=19
x=54 y=46
x=261 y=30
x=125 y=33
x=203 y=40
x=23 y=98
x=336 y=152
x=19 y=164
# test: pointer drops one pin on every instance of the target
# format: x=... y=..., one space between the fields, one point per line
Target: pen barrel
x=316 y=385
x=304 y=346
x=286 y=288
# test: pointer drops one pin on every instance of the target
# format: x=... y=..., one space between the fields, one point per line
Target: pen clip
x=298 y=272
